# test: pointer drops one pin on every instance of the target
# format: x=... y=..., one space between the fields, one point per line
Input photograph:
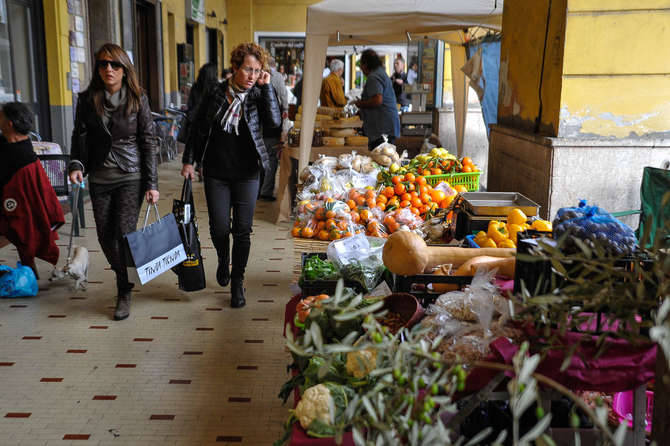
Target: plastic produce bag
x=594 y=225
x=359 y=259
x=478 y=303
x=17 y=282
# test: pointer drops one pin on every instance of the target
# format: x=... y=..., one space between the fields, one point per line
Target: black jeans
x=240 y=197
x=116 y=209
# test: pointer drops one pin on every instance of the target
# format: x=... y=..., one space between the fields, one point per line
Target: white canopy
x=370 y=22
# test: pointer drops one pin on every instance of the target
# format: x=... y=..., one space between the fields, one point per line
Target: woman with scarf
x=227 y=141
x=113 y=143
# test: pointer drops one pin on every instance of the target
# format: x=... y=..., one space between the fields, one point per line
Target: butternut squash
x=505 y=266
x=405 y=253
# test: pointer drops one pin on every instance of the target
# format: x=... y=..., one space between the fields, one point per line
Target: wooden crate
x=301 y=245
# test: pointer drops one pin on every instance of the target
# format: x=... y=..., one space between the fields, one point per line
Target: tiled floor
x=184 y=369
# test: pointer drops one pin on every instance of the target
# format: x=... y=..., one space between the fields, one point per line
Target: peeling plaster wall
x=616 y=75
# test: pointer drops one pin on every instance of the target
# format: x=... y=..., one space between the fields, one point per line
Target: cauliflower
x=361 y=363
x=316 y=404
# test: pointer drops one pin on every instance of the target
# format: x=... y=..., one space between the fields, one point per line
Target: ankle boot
x=223 y=272
x=122 y=310
x=237 y=299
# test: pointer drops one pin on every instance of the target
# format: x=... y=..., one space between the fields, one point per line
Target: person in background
x=399 y=79
x=297 y=71
x=207 y=80
x=413 y=72
x=16 y=122
x=297 y=92
x=332 y=92
x=227 y=139
x=326 y=69
x=377 y=103
x=113 y=143
x=272 y=136
x=30 y=212
x=283 y=72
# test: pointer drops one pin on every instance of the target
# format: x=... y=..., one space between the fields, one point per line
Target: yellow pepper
x=513 y=229
x=516 y=217
x=507 y=243
x=487 y=243
x=481 y=235
x=497 y=231
x=542 y=225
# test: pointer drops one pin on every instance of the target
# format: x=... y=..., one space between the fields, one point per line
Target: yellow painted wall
x=616 y=76
x=173 y=35
x=293 y=14
x=56 y=26
x=245 y=17
x=528 y=98
x=240 y=22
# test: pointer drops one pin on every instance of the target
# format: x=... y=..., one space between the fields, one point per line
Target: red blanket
x=31 y=214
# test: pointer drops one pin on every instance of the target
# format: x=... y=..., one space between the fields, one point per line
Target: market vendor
x=332 y=93
x=378 y=102
x=399 y=79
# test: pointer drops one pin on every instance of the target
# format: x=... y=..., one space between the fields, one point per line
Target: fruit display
x=325 y=220
x=399 y=199
x=504 y=235
x=595 y=227
x=438 y=162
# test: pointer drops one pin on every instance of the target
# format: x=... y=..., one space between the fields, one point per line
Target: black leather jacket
x=261 y=109
x=131 y=141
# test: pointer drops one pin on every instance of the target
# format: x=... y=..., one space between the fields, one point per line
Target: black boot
x=124 y=288
x=122 y=310
x=237 y=299
x=223 y=272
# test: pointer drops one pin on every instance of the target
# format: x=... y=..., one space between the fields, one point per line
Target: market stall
x=363 y=22
x=351 y=22
x=443 y=284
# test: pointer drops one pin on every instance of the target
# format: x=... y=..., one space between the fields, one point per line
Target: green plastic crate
x=468 y=179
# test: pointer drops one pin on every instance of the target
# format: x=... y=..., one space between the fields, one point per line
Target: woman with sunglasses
x=227 y=141
x=113 y=143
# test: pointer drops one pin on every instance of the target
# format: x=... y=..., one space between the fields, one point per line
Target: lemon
x=393 y=168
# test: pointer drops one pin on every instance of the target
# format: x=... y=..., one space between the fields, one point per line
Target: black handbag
x=191 y=272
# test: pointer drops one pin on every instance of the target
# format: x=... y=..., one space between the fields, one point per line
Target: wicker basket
x=301 y=245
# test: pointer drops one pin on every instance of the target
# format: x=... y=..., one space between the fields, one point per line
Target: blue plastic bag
x=594 y=225
x=17 y=282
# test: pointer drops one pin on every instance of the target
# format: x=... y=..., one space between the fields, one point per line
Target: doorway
x=22 y=54
x=146 y=59
x=212 y=41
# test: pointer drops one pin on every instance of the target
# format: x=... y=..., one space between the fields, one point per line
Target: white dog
x=77 y=268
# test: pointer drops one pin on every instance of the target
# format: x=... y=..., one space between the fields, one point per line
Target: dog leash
x=75 y=218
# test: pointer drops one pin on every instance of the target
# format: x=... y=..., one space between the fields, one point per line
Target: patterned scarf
x=231 y=119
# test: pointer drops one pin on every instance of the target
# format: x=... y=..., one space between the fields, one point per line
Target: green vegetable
x=316 y=268
x=366 y=272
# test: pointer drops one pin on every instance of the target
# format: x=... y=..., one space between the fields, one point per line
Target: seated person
x=30 y=212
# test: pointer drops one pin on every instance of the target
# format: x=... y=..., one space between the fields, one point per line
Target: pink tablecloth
x=623 y=366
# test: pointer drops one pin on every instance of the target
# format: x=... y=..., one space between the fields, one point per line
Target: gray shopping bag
x=155 y=248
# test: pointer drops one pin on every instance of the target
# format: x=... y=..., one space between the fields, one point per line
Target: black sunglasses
x=104 y=63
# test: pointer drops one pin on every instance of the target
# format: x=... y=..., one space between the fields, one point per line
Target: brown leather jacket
x=130 y=138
